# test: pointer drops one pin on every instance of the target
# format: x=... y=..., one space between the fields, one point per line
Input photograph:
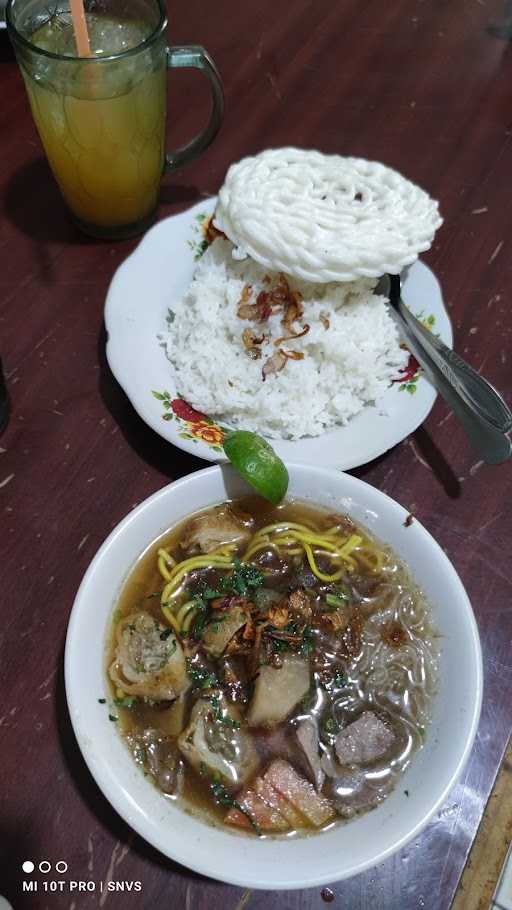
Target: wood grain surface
x=423 y=85
x=489 y=851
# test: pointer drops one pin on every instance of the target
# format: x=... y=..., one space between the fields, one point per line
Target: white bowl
x=300 y=862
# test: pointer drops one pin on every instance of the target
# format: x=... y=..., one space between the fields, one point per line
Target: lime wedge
x=257 y=462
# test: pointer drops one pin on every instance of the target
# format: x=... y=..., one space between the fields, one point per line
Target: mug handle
x=193 y=55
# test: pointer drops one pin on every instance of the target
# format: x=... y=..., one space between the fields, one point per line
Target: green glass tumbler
x=102 y=118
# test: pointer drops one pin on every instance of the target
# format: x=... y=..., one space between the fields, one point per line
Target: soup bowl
x=282 y=863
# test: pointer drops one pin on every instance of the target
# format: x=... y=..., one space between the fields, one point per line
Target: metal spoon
x=479 y=407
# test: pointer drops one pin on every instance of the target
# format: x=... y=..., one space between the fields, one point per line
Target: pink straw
x=83 y=45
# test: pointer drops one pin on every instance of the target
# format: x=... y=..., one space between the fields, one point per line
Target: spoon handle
x=473 y=388
x=491 y=444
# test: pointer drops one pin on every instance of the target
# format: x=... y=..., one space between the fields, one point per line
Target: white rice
x=345 y=367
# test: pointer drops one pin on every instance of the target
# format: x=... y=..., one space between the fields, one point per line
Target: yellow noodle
x=165 y=559
x=178 y=573
x=189 y=618
x=285 y=542
x=353 y=541
x=333 y=545
x=170 y=560
x=257 y=547
x=337 y=560
x=162 y=568
x=283 y=526
x=330 y=531
x=316 y=571
x=167 y=592
x=171 y=592
x=288 y=534
x=169 y=615
x=201 y=562
x=285 y=538
x=363 y=556
x=225 y=550
x=195 y=562
x=288 y=546
x=342 y=549
x=182 y=612
x=335 y=531
x=334 y=557
x=295 y=551
x=313 y=539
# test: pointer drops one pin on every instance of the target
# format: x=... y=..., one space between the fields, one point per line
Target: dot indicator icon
x=61 y=866
x=45 y=866
x=28 y=866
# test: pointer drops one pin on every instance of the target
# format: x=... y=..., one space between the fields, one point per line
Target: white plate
x=284 y=863
x=158 y=272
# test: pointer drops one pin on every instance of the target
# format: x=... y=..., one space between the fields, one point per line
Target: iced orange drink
x=101 y=118
x=104 y=130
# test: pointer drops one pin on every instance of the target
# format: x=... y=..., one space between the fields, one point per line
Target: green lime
x=257 y=462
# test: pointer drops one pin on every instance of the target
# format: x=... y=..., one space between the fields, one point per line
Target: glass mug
x=101 y=118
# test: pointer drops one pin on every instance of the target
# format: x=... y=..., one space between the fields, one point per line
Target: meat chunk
x=299 y=604
x=277 y=691
x=216 y=528
x=281 y=800
x=278 y=741
x=266 y=792
x=234 y=677
x=316 y=809
x=221 y=630
x=264 y=816
x=307 y=735
x=149 y=660
x=159 y=756
x=213 y=741
x=364 y=741
x=354 y=792
x=266 y=598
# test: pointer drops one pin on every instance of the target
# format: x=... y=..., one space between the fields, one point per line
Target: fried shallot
x=292 y=337
x=274 y=364
x=257 y=312
x=251 y=342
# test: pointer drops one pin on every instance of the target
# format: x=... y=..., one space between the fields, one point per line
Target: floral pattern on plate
x=193 y=424
x=408 y=377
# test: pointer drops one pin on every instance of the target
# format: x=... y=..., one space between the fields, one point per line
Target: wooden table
x=421 y=85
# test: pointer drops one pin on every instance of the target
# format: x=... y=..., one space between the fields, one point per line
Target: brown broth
x=374 y=592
